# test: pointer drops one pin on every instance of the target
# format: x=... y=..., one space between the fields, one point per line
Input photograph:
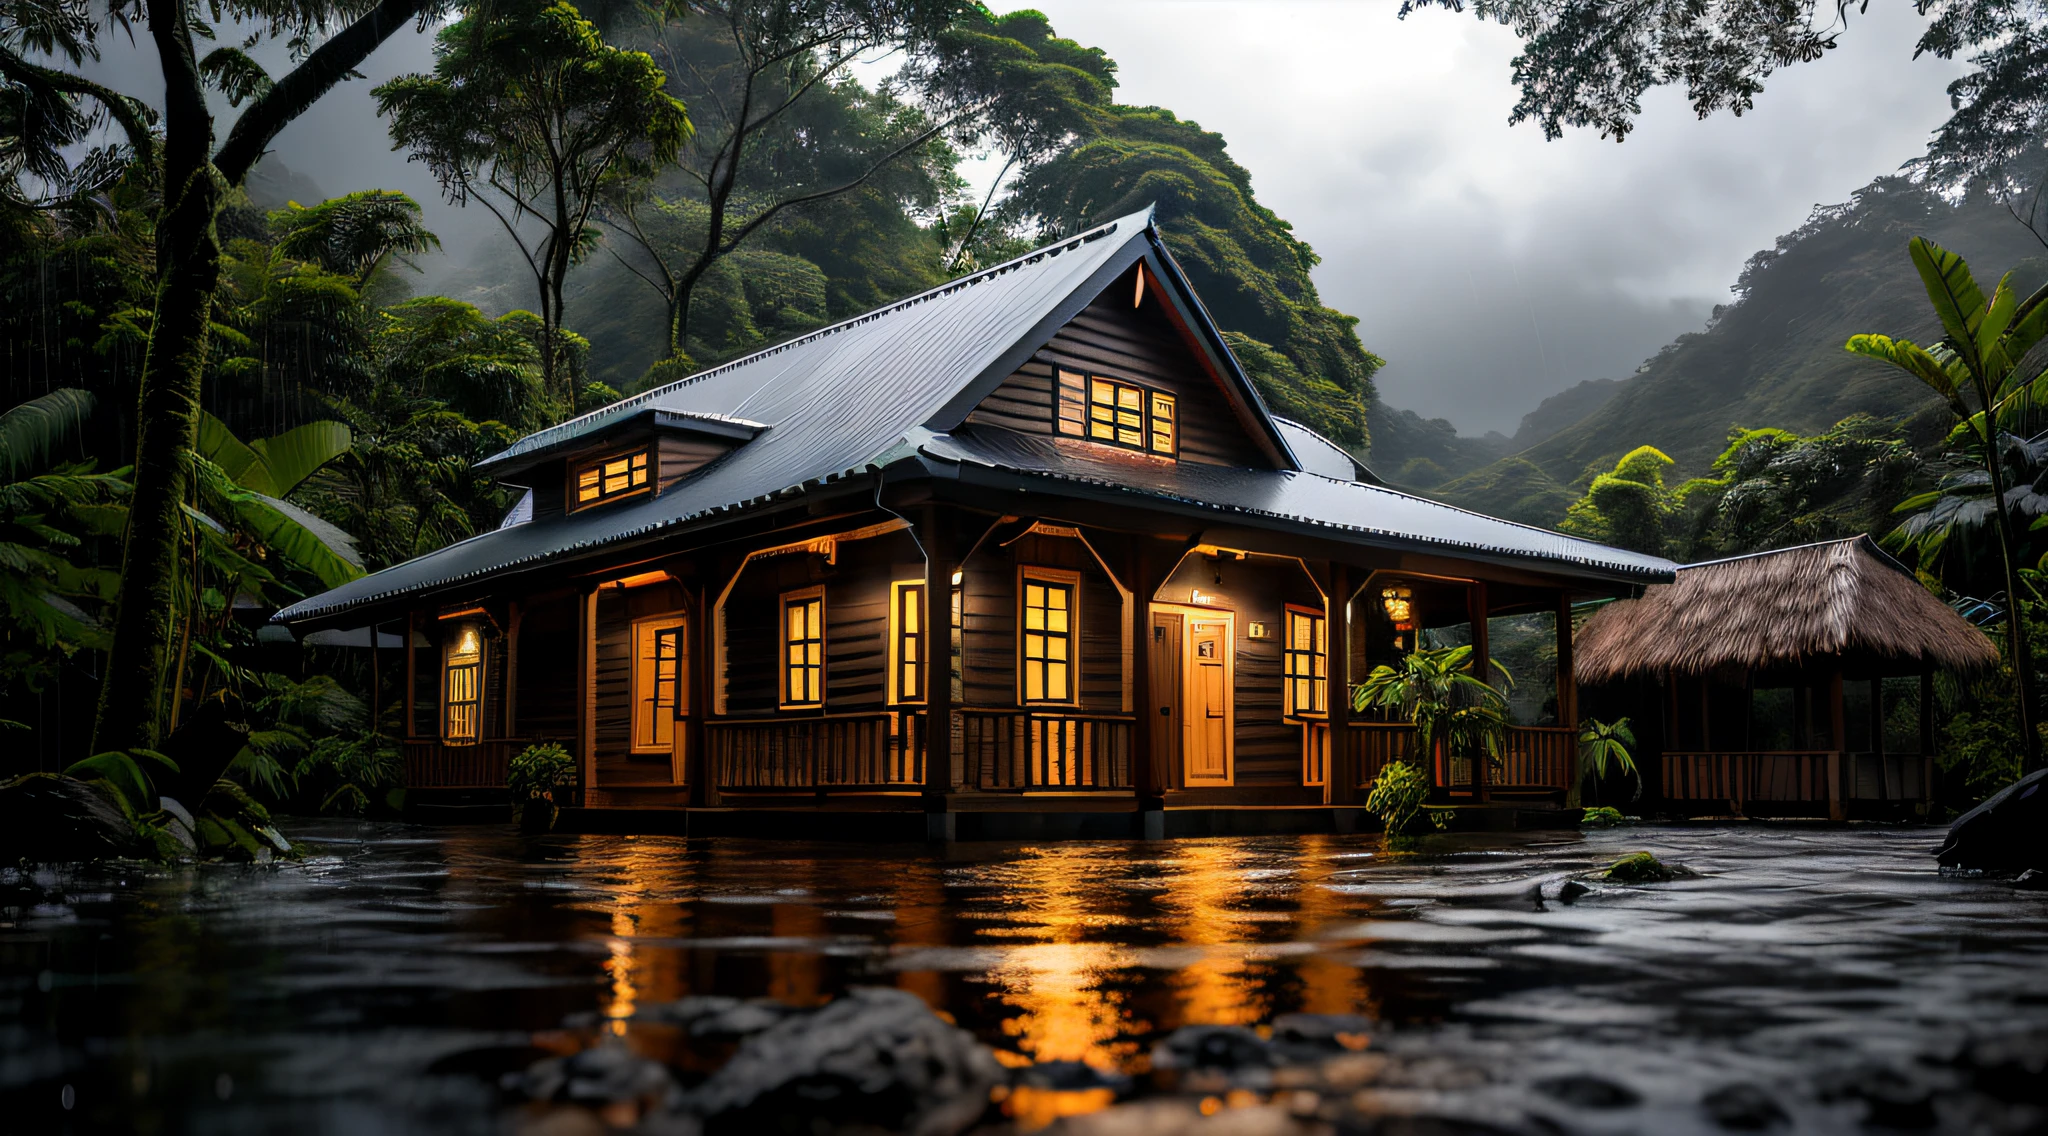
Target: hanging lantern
x=1400 y=605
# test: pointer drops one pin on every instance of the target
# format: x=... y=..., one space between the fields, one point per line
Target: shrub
x=538 y=778
x=1601 y=817
x=1397 y=797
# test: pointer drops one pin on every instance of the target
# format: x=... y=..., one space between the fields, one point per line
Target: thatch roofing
x=1842 y=599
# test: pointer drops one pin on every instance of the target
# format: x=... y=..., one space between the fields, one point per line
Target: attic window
x=1118 y=413
x=620 y=476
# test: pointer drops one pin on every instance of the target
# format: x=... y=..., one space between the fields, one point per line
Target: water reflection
x=323 y=992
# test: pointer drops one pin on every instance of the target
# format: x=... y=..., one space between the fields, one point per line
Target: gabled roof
x=1319 y=454
x=1836 y=599
x=857 y=395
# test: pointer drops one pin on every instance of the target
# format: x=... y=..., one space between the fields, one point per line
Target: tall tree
x=782 y=127
x=532 y=114
x=329 y=39
x=1981 y=369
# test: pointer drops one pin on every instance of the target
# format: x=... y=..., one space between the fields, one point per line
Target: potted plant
x=541 y=779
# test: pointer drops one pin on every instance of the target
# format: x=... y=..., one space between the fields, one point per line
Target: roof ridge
x=1065 y=244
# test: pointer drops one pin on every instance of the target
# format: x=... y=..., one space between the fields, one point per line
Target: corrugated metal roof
x=1346 y=510
x=1319 y=454
x=856 y=394
x=830 y=402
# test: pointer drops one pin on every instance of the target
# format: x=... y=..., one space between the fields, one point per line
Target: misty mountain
x=1772 y=357
x=1423 y=452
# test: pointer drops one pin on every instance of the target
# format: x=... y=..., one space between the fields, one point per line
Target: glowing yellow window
x=462 y=688
x=803 y=648
x=1307 y=663
x=613 y=477
x=907 y=643
x=1164 y=436
x=1116 y=413
x=658 y=646
x=1048 y=641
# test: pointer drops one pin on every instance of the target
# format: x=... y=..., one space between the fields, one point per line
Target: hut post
x=1145 y=757
x=1567 y=693
x=412 y=668
x=514 y=613
x=939 y=565
x=1927 y=733
x=376 y=686
x=1482 y=665
x=1838 y=808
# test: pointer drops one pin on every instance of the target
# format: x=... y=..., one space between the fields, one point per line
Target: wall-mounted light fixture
x=957 y=577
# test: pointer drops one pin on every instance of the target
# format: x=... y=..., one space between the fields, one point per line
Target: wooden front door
x=1206 y=705
x=1165 y=695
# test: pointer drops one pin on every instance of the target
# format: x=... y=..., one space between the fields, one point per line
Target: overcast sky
x=1489 y=267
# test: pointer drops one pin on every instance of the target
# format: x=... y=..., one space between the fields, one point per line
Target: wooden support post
x=1838 y=805
x=513 y=615
x=1145 y=780
x=376 y=686
x=586 y=680
x=1340 y=773
x=939 y=565
x=410 y=727
x=1482 y=668
x=698 y=772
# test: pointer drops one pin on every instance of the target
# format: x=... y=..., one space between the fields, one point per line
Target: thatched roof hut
x=1844 y=599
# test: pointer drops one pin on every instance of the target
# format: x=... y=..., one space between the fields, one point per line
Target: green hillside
x=1774 y=356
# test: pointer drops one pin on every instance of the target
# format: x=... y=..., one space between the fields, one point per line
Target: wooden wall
x=988 y=624
x=1255 y=589
x=617 y=608
x=1108 y=338
x=548 y=680
x=679 y=455
x=856 y=623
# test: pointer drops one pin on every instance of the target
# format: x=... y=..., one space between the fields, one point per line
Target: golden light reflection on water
x=644 y=904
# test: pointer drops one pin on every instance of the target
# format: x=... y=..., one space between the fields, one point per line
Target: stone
x=2033 y=879
x=2008 y=833
x=1212 y=1047
x=873 y=1060
x=716 y=1017
x=1744 y=1108
x=1571 y=890
x=604 y=1074
x=1070 y=1077
x=1583 y=1090
x=48 y=818
x=1312 y=1037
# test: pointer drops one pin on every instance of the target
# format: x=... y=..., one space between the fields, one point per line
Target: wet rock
x=874 y=1060
x=1312 y=1037
x=1744 y=1108
x=718 y=1018
x=1175 y=1116
x=1583 y=1090
x=605 y=1074
x=48 y=818
x=1212 y=1047
x=2008 y=833
x=1642 y=868
x=2033 y=879
x=1571 y=890
x=1070 y=1077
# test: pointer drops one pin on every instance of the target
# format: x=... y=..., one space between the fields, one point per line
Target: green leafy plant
x=1397 y=799
x=541 y=778
x=1605 y=745
x=352 y=775
x=1452 y=709
x=1601 y=817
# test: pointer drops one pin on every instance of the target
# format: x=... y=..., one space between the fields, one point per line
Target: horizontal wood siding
x=1107 y=338
x=547 y=670
x=550 y=499
x=989 y=623
x=426 y=689
x=617 y=608
x=856 y=624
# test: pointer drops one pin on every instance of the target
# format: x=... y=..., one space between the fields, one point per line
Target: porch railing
x=1538 y=757
x=431 y=763
x=834 y=751
x=1033 y=749
x=1375 y=745
x=1780 y=775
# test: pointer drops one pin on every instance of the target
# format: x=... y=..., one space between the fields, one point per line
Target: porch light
x=957 y=577
x=467 y=645
x=1400 y=604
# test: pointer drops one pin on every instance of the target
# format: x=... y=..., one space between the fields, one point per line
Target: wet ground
x=1807 y=978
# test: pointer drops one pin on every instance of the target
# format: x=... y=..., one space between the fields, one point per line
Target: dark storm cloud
x=1489 y=267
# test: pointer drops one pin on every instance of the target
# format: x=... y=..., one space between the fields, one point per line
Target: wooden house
x=1026 y=545
x=1794 y=682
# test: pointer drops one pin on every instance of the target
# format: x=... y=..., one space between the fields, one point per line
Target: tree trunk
x=2015 y=615
x=188 y=257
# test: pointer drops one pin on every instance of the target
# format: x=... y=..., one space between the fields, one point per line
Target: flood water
x=1829 y=970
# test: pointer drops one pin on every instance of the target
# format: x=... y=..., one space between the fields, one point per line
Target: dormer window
x=619 y=476
x=1119 y=413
